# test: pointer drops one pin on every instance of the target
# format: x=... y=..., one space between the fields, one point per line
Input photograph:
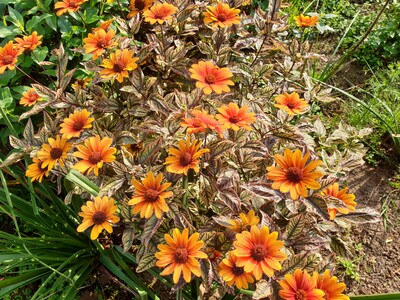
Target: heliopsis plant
x=93 y=154
x=341 y=195
x=159 y=13
x=291 y=103
x=138 y=6
x=300 y=285
x=29 y=42
x=244 y=222
x=119 y=65
x=30 y=98
x=99 y=213
x=150 y=195
x=233 y=274
x=99 y=41
x=211 y=78
x=36 y=171
x=76 y=123
x=330 y=286
x=233 y=117
x=306 y=21
x=295 y=173
x=54 y=152
x=9 y=56
x=180 y=255
x=222 y=15
x=186 y=157
x=68 y=6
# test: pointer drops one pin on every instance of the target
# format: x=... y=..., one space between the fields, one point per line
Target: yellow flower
x=137 y=6
x=54 y=152
x=330 y=286
x=291 y=103
x=150 y=196
x=245 y=221
x=99 y=41
x=348 y=199
x=36 y=171
x=30 y=98
x=119 y=64
x=160 y=13
x=306 y=21
x=234 y=274
x=294 y=173
x=100 y=213
x=29 y=42
x=179 y=255
x=9 y=56
x=66 y=6
x=74 y=125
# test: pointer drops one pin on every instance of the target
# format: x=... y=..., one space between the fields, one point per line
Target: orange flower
x=306 y=21
x=100 y=213
x=233 y=274
x=185 y=157
x=66 y=6
x=300 y=286
x=160 y=13
x=348 y=200
x=245 y=221
x=150 y=196
x=221 y=15
x=119 y=64
x=9 y=56
x=137 y=6
x=36 y=171
x=99 y=41
x=94 y=153
x=54 y=152
x=29 y=42
x=201 y=121
x=294 y=174
x=258 y=251
x=211 y=78
x=179 y=255
x=29 y=98
x=74 y=125
x=81 y=83
x=234 y=117
x=330 y=286
x=291 y=103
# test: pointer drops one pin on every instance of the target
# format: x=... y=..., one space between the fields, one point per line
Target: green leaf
x=52 y=22
x=82 y=181
x=5 y=97
x=146 y=262
x=16 y=18
x=6 y=77
x=128 y=236
x=6 y=32
x=39 y=54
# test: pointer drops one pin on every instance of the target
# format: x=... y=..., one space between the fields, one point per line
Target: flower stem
x=185 y=187
x=179 y=294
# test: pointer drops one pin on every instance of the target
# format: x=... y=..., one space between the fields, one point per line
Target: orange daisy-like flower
x=36 y=171
x=201 y=121
x=150 y=196
x=300 y=286
x=185 y=157
x=245 y=221
x=258 y=251
x=160 y=13
x=330 y=286
x=74 y=125
x=211 y=78
x=234 y=274
x=233 y=117
x=179 y=255
x=100 y=213
x=9 y=56
x=294 y=173
x=221 y=15
x=81 y=83
x=306 y=21
x=291 y=103
x=94 y=153
x=29 y=98
x=66 y=6
x=30 y=42
x=348 y=199
x=54 y=152
x=137 y=6
x=98 y=42
x=119 y=64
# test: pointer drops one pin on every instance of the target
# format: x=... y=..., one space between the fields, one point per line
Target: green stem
x=246 y=292
x=393 y=296
x=185 y=187
x=179 y=294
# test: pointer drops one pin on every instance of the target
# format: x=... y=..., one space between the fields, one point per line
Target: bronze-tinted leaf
x=128 y=236
x=294 y=262
x=312 y=262
x=295 y=227
x=150 y=228
x=339 y=247
x=150 y=151
x=13 y=158
x=217 y=148
x=361 y=215
x=17 y=143
x=317 y=205
x=263 y=290
x=231 y=199
x=146 y=262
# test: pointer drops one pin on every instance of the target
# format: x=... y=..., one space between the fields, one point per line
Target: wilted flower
x=119 y=64
x=233 y=117
x=179 y=255
x=29 y=98
x=29 y=42
x=98 y=42
x=291 y=103
x=54 y=152
x=9 y=56
x=300 y=285
x=306 y=21
x=258 y=251
x=100 y=213
x=221 y=15
x=74 y=125
x=211 y=78
x=294 y=173
x=348 y=199
x=160 y=13
x=233 y=274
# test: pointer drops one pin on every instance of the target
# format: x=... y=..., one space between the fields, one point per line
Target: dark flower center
x=135 y=147
x=234 y=119
x=210 y=78
x=56 y=153
x=139 y=4
x=291 y=105
x=39 y=164
x=222 y=17
x=300 y=295
x=185 y=159
x=151 y=195
x=181 y=255
x=197 y=123
x=119 y=66
x=80 y=82
x=258 y=252
x=99 y=217
x=101 y=44
x=95 y=158
x=78 y=125
x=73 y=4
x=8 y=59
x=33 y=98
x=294 y=174
x=237 y=270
